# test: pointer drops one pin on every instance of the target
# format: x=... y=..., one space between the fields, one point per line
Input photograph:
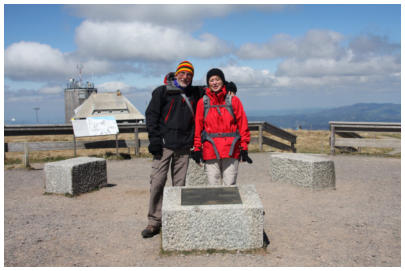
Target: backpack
x=227 y=105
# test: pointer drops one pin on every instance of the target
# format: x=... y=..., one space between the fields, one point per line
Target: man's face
x=184 y=78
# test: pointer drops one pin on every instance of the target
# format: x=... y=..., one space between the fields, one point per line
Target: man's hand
x=156 y=150
x=245 y=157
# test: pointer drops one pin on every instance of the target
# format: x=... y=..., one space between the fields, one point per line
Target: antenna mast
x=80 y=69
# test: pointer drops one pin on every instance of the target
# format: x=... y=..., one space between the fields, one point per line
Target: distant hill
x=374 y=112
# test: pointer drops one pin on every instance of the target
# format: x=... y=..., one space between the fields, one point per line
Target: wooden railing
x=351 y=139
x=136 y=143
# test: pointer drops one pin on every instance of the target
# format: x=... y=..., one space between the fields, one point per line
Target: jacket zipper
x=170 y=109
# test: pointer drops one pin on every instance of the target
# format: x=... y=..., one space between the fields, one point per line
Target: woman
x=221 y=131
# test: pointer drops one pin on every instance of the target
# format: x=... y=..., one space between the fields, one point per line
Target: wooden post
x=332 y=139
x=74 y=145
x=261 y=137
x=293 y=147
x=136 y=131
x=116 y=144
x=26 y=159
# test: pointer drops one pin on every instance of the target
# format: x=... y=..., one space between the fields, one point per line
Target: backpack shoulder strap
x=188 y=103
x=228 y=103
x=206 y=101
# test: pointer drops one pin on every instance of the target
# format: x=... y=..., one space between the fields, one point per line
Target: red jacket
x=221 y=123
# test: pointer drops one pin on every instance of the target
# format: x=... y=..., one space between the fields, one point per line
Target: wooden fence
x=136 y=143
x=351 y=139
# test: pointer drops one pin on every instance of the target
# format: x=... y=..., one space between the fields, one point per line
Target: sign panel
x=95 y=126
x=210 y=196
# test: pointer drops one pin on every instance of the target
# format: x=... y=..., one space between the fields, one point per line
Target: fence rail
x=136 y=143
x=351 y=139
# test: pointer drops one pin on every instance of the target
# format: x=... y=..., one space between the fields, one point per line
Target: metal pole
x=36 y=113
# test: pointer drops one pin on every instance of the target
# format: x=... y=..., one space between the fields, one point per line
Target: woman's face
x=215 y=83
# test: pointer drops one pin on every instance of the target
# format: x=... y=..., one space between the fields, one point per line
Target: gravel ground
x=358 y=224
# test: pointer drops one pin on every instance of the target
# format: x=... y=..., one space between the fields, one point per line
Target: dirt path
x=358 y=224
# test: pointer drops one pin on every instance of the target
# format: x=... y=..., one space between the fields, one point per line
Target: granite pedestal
x=212 y=217
x=196 y=175
x=75 y=176
x=307 y=170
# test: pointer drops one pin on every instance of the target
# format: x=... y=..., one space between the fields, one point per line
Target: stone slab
x=196 y=175
x=307 y=170
x=75 y=176
x=212 y=226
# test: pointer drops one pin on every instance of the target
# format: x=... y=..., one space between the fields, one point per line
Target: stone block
x=222 y=222
x=307 y=170
x=75 y=176
x=196 y=175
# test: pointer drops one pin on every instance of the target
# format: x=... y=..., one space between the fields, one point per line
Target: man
x=170 y=126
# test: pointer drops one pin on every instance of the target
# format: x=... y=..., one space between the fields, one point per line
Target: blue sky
x=280 y=56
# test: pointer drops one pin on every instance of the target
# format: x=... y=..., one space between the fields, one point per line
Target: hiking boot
x=150 y=231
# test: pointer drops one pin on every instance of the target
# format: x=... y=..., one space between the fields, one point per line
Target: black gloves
x=156 y=150
x=230 y=86
x=245 y=157
x=197 y=156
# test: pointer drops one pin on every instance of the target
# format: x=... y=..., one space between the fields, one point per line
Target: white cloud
x=317 y=75
x=315 y=43
x=247 y=76
x=35 y=61
x=142 y=41
x=317 y=67
x=178 y=15
x=51 y=90
x=324 y=60
x=113 y=86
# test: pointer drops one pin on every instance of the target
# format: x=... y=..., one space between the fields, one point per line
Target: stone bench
x=75 y=176
x=307 y=170
x=212 y=217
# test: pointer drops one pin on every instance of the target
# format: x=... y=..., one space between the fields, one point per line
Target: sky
x=281 y=57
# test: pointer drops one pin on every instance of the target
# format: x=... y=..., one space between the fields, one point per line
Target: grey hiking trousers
x=177 y=161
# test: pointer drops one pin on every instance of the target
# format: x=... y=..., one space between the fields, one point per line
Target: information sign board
x=95 y=126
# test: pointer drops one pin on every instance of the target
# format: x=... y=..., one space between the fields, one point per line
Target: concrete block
x=75 y=176
x=225 y=226
x=196 y=175
x=307 y=170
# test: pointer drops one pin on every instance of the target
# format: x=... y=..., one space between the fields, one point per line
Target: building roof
x=108 y=104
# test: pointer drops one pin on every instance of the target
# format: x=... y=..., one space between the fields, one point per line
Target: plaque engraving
x=210 y=196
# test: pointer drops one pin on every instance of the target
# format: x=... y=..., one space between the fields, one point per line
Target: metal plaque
x=210 y=196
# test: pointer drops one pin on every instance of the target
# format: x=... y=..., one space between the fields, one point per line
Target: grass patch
x=12 y=161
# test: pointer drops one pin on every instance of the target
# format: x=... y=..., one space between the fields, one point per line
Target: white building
x=109 y=104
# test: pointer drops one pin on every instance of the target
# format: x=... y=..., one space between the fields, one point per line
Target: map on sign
x=95 y=126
